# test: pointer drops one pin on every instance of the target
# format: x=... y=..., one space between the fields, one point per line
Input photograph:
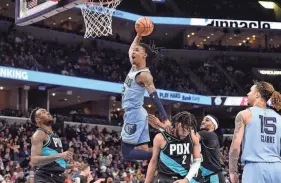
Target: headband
x=214 y=121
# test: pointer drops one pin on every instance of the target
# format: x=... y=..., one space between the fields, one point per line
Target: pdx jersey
x=175 y=157
x=51 y=147
x=133 y=93
x=261 y=141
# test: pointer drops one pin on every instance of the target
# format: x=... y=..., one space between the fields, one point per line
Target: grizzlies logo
x=130 y=128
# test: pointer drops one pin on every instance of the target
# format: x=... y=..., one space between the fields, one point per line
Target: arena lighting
x=53 y=94
x=267 y=4
x=270 y=72
x=1 y=87
x=149 y=106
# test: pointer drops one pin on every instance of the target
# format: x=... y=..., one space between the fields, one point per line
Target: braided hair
x=153 y=55
x=267 y=92
x=33 y=115
x=186 y=119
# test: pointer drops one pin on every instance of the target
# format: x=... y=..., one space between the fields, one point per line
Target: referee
x=210 y=169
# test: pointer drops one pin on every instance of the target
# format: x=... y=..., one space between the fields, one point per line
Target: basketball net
x=97 y=16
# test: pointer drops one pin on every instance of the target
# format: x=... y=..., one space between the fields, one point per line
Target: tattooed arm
x=145 y=79
x=37 y=159
x=236 y=144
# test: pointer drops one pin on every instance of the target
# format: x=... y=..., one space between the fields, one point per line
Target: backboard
x=31 y=11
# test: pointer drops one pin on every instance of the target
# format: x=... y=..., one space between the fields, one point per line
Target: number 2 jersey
x=261 y=142
x=51 y=147
x=175 y=157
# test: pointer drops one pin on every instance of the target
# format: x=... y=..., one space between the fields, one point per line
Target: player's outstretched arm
x=235 y=148
x=37 y=159
x=134 y=43
x=158 y=140
x=147 y=80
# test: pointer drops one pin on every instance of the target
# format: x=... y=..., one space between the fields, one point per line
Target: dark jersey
x=210 y=150
x=51 y=147
x=175 y=157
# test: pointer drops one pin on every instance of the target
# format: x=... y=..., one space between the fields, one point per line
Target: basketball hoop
x=98 y=17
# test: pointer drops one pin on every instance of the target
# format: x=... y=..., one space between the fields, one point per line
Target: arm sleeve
x=193 y=169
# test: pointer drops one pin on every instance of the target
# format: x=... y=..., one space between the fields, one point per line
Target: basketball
x=144 y=26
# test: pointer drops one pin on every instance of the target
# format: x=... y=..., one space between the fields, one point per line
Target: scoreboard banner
x=229 y=101
x=185 y=21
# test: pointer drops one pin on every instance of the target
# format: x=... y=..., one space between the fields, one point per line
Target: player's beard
x=49 y=122
x=204 y=128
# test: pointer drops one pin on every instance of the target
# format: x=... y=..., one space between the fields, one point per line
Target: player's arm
x=147 y=80
x=37 y=159
x=158 y=140
x=196 y=157
x=134 y=43
x=235 y=147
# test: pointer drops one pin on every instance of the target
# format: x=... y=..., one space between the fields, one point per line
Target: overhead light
x=65 y=99
x=118 y=109
x=1 y=87
x=7 y=4
x=212 y=34
x=166 y=33
x=271 y=39
x=244 y=41
x=230 y=38
x=198 y=45
x=149 y=106
x=201 y=42
x=204 y=39
x=69 y=18
x=254 y=36
x=78 y=96
x=53 y=94
x=192 y=33
x=234 y=35
x=208 y=37
x=248 y=38
x=188 y=35
x=240 y=44
x=54 y=23
x=267 y=4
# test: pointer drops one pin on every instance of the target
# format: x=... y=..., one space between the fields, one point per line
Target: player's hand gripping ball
x=144 y=26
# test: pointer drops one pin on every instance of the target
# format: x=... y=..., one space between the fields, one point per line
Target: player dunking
x=46 y=151
x=259 y=128
x=135 y=132
x=172 y=151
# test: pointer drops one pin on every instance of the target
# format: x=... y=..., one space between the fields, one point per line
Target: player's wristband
x=193 y=169
x=159 y=106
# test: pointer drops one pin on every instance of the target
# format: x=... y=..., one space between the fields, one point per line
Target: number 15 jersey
x=175 y=157
x=261 y=142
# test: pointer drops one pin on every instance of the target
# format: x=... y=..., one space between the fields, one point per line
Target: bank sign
x=91 y=84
